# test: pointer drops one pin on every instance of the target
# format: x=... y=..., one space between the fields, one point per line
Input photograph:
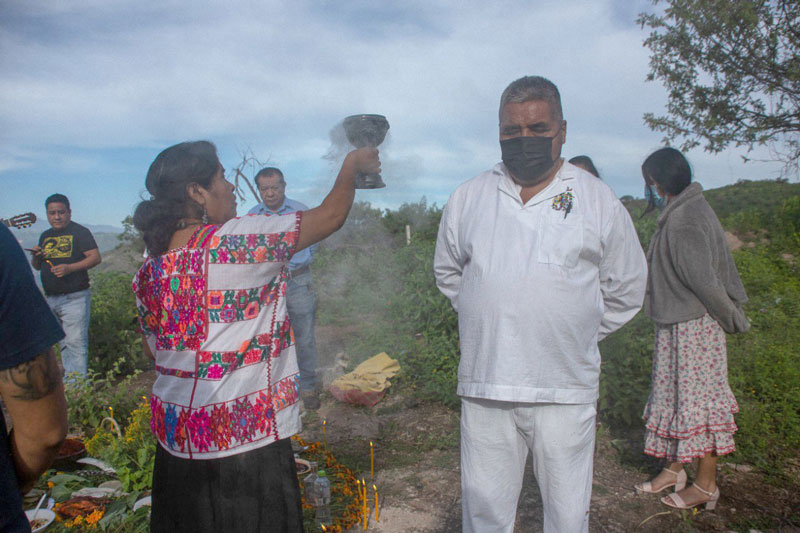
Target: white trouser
x=495 y=439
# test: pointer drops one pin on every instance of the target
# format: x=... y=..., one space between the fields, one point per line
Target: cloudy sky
x=92 y=90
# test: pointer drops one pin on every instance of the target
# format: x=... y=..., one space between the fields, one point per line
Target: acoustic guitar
x=20 y=221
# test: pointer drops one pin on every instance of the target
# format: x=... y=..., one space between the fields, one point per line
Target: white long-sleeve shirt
x=536 y=285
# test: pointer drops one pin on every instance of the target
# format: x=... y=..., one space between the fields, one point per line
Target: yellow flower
x=94 y=517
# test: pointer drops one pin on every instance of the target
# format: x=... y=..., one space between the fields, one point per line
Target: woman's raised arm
x=330 y=215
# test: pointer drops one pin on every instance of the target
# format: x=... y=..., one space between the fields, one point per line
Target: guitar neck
x=19 y=221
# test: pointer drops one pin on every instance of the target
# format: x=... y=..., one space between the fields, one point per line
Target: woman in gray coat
x=694 y=295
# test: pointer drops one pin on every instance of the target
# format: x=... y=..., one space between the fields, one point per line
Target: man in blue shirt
x=300 y=298
x=30 y=384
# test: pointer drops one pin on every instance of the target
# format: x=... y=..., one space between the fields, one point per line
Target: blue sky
x=92 y=90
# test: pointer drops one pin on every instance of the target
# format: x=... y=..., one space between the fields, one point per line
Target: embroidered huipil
x=214 y=316
x=536 y=285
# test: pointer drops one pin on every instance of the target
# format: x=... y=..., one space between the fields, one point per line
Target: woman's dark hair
x=585 y=162
x=169 y=174
x=669 y=169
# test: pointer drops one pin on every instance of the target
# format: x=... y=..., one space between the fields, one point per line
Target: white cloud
x=93 y=76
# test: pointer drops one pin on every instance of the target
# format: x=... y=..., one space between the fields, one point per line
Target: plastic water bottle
x=322 y=491
x=308 y=485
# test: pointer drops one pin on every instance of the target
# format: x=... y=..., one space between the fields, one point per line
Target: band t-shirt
x=27 y=328
x=65 y=246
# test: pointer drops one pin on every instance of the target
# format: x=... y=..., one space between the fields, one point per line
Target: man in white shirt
x=541 y=261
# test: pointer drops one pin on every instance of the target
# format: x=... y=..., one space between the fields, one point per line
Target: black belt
x=299 y=271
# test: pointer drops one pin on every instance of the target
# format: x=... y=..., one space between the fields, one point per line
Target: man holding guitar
x=64 y=256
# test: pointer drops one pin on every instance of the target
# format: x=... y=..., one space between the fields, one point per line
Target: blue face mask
x=650 y=191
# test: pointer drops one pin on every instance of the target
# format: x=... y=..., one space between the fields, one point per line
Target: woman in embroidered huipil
x=694 y=295
x=211 y=303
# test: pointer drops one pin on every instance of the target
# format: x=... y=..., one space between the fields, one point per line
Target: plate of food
x=40 y=519
x=71 y=450
x=80 y=505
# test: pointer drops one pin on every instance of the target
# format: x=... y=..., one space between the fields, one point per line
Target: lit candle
x=376 y=502
x=371 y=460
x=324 y=424
x=364 y=508
x=323 y=527
x=110 y=411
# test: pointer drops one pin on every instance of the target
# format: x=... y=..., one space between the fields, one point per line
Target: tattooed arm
x=34 y=396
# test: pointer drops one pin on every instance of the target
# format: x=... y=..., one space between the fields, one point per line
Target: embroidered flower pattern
x=170 y=424
x=199 y=429
x=225 y=425
x=242 y=421
x=242 y=304
x=171 y=288
x=220 y=422
x=253 y=248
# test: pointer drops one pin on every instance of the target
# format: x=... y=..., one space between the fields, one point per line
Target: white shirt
x=536 y=285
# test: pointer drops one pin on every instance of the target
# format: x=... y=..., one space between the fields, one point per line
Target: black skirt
x=255 y=491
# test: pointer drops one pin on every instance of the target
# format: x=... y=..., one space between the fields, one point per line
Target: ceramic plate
x=44 y=517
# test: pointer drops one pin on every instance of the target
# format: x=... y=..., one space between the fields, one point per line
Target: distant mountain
x=104 y=235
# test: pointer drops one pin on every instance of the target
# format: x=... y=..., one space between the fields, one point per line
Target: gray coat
x=691 y=267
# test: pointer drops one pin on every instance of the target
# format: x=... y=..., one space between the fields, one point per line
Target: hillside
x=738 y=206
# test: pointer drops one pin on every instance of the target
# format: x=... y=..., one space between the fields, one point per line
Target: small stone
x=739 y=468
x=114 y=484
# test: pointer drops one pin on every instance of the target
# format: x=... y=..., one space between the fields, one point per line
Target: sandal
x=679 y=484
x=674 y=500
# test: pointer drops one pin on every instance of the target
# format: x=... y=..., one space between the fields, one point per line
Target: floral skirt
x=255 y=491
x=690 y=410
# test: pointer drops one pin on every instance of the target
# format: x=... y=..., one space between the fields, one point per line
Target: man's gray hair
x=530 y=88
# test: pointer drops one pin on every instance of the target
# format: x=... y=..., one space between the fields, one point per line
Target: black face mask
x=528 y=158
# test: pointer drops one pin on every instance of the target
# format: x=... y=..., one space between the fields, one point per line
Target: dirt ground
x=417 y=471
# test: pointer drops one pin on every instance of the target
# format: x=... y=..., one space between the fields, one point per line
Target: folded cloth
x=367 y=384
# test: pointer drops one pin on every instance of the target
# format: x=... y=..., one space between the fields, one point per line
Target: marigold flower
x=94 y=517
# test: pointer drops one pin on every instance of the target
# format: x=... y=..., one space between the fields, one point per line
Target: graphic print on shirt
x=59 y=247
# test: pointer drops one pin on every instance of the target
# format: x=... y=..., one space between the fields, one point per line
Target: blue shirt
x=27 y=328
x=303 y=257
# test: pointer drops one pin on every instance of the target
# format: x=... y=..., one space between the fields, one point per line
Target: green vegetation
x=89 y=398
x=114 y=339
